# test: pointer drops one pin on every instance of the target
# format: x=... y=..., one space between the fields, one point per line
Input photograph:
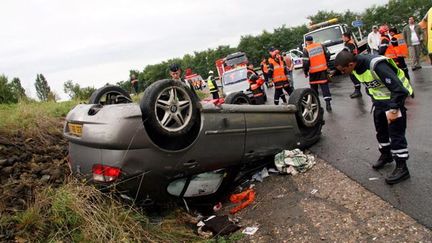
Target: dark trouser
x=400 y=61
x=280 y=94
x=265 y=77
x=325 y=90
x=391 y=137
x=355 y=81
x=215 y=94
x=135 y=86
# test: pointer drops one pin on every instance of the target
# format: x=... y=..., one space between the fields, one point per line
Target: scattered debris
x=217 y=225
x=273 y=170
x=250 y=230
x=314 y=191
x=260 y=175
x=373 y=178
x=217 y=207
x=247 y=197
x=293 y=161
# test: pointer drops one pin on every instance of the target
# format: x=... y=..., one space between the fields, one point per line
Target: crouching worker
x=255 y=83
x=388 y=88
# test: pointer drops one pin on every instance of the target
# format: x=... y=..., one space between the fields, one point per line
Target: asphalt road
x=349 y=144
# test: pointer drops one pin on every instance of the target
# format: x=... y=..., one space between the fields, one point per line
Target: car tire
x=112 y=95
x=308 y=107
x=169 y=108
x=238 y=98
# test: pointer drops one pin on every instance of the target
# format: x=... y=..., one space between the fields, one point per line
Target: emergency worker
x=255 y=83
x=175 y=72
x=277 y=71
x=352 y=47
x=401 y=49
x=315 y=67
x=213 y=88
x=134 y=83
x=264 y=70
x=385 y=47
x=388 y=88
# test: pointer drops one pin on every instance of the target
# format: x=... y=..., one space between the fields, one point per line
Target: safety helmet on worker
x=210 y=72
x=383 y=29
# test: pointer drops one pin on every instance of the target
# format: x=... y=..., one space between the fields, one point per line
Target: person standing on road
x=255 y=83
x=352 y=47
x=264 y=70
x=413 y=35
x=277 y=71
x=315 y=67
x=401 y=49
x=213 y=88
x=373 y=40
x=134 y=83
x=290 y=67
x=388 y=88
x=175 y=72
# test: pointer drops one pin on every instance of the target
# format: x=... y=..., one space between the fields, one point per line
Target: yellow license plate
x=75 y=129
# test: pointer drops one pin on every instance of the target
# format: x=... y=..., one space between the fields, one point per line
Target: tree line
x=395 y=13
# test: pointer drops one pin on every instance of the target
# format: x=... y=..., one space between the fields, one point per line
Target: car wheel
x=169 y=108
x=308 y=107
x=238 y=98
x=109 y=95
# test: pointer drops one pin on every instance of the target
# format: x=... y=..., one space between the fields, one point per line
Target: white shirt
x=414 y=38
x=374 y=40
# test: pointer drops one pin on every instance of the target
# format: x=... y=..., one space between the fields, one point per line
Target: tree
x=6 y=94
x=17 y=89
x=76 y=92
x=42 y=88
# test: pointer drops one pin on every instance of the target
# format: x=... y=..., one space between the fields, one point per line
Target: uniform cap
x=309 y=38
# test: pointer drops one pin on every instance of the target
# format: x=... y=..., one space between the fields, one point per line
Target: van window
x=328 y=36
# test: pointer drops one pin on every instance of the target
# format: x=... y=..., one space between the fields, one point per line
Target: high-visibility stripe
x=380 y=145
x=319 y=81
x=402 y=155
x=399 y=151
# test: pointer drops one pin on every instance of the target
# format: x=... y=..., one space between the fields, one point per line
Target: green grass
x=31 y=117
x=80 y=213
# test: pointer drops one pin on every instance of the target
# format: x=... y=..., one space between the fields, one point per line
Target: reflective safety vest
x=375 y=86
x=211 y=85
x=317 y=58
x=390 y=51
x=278 y=70
x=255 y=85
x=402 y=48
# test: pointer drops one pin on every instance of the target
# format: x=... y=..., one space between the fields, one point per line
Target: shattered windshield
x=233 y=77
x=327 y=36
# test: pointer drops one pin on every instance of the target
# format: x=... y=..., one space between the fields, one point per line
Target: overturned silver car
x=173 y=146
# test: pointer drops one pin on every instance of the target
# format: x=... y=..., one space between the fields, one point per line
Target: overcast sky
x=93 y=42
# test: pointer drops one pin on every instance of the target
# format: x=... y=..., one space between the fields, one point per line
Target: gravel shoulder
x=325 y=205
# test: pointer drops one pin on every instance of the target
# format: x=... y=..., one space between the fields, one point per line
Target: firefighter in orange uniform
x=264 y=70
x=316 y=68
x=255 y=83
x=401 y=49
x=385 y=47
x=277 y=71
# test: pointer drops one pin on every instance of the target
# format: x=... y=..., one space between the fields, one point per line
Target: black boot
x=328 y=106
x=384 y=159
x=357 y=93
x=400 y=173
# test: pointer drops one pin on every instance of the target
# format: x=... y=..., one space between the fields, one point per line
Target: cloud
x=99 y=41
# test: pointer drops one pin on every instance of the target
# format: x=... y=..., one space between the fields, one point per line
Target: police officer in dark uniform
x=352 y=47
x=388 y=88
x=175 y=72
x=255 y=83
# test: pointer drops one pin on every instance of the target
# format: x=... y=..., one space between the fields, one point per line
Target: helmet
x=174 y=67
x=383 y=29
x=210 y=72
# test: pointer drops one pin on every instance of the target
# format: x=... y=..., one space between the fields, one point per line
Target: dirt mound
x=28 y=163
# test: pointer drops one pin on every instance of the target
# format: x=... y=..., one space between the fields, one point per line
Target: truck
x=329 y=34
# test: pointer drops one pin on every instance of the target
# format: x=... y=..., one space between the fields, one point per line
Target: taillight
x=104 y=173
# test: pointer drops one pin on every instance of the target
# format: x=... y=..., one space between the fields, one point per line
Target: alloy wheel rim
x=310 y=108
x=173 y=108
